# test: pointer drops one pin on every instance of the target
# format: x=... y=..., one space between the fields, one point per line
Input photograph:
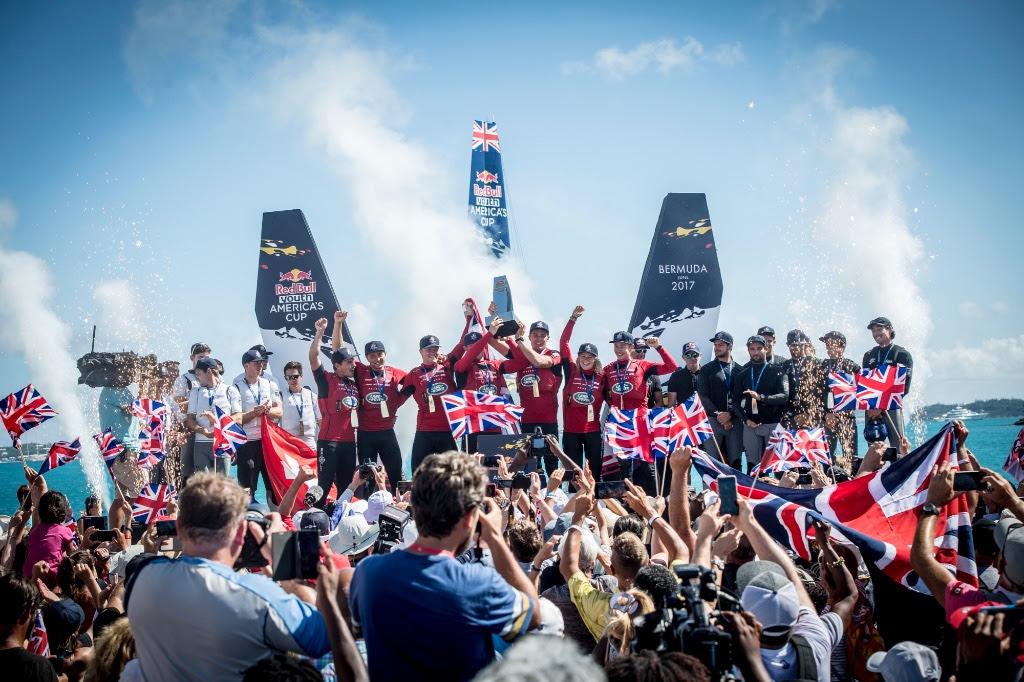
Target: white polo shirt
x=301 y=408
x=262 y=392
x=201 y=399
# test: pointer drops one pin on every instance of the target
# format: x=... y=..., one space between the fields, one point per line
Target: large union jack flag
x=144 y=407
x=843 y=388
x=1014 y=464
x=151 y=441
x=882 y=388
x=790 y=449
x=152 y=501
x=627 y=434
x=227 y=434
x=475 y=412
x=877 y=513
x=109 y=446
x=23 y=410
x=60 y=454
x=38 y=640
x=485 y=136
x=679 y=426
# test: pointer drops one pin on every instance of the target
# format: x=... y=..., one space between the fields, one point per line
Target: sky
x=859 y=159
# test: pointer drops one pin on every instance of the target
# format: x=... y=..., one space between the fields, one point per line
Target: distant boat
x=962 y=413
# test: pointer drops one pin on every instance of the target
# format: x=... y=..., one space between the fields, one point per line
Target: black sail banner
x=292 y=292
x=680 y=292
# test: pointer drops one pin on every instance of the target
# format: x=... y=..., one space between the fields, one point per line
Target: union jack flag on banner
x=877 y=513
x=227 y=435
x=485 y=136
x=23 y=410
x=881 y=389
x=151 y=441
x=144 y=407
x=843 y=388
x=1015 y=460
x=109 y=446
x=627 y=434
x=690 y=426
x=38 y=641
x=152 y=501
x=474 y=412
x=60 y=454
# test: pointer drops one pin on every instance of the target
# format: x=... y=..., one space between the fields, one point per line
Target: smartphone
x=727 y=493
x=492 y=490
x=968 y=480
x=282 y=548
x=167 y=529
x=490 y=460
x=503 y=483
x=138 y=530
x=98 y=522
x=103 y=535
x=308 y=547
x=296 y=554
x=404 y=487
x=1012 y=614
x=803 y=479
x=890 y=455
x=610 y=489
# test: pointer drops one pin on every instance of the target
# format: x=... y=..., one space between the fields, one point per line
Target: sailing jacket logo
x=622 y=387
x=582 y=397
x=438 y=388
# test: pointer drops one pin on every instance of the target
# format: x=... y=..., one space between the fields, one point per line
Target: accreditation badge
x=590 y=413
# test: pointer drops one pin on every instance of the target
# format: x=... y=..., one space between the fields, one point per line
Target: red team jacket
x=435 y=381
x=338 y=400
x=543 y=408
x=376 y=388
x=580 y=390
x=626 y=383
x=485 y=376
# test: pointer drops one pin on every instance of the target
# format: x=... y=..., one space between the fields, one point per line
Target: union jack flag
x=609 y=463
x=627 y=434
x=227 y=435
x=844 y=391
x=144 y=407
x=152 y=501
x=790 y=449
x=485 y=136
x=151 y=441
x=882 y=388
x=673 y=428
x=877 y=513
x=38 y=641
x=1015 y=460
x=474 y=412
x=23 y=410
x=61 y=453
x=109 y=446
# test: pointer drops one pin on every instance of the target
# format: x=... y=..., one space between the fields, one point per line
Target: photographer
x=222 y=621
x=425 y=616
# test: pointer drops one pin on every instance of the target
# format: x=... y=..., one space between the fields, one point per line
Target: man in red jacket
x=336 y=442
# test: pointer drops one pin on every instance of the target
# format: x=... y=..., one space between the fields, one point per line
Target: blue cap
x=207 y=363
x=875 y=431
x=690 y=348
x=796 y=336
x=373 y=347
x=622 y=337
x=725 y=337
x=757 y=338
x=588 y=348
x=342 y=354
x=429 y=341
x=543 y=326
x=251 y=356
x=471 y=338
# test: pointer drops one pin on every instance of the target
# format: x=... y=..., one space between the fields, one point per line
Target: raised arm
x=570 y=324
x=922 y=551
x=339 y=323
x=678 y=496
x=314 y=345
x=768 y=550
x=668 y=363
x=674 y=545
x=839 y=582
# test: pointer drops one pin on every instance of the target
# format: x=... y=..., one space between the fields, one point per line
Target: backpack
x=806 y=666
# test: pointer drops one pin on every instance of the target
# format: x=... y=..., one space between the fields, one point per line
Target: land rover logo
x=350 y=402
x=622 y=387
x=374 y=398
x=583 y=398
x=528 y=380
x=489 y=389
x=438 y=388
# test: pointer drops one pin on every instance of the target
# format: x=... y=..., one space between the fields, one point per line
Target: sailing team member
x=181 y=391
x=840 y=427
x=654 y=392
x=771 y=357
x=258 y=397
x=378 y=407
x=582 y=400
x=714 y=385
x=426 y=383
x=300 y=409
x=683 y=382
x=888 y=353
x=336 y=442
x=626 y=388
x=209 y=391
x=474 y=371
x=759 y=396
x=807 y=384
x=265 y=372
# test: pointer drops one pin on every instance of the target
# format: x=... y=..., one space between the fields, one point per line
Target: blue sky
x=859 y=159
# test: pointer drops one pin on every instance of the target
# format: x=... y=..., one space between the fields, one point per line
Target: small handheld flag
x=627 y=434
x=152 y=501
x=60 y=454
x=110 y=447
x=227 y=435
x=475 y=412
x=24 y=410
x=843 y=387
x=151 y=441
x=881 y=389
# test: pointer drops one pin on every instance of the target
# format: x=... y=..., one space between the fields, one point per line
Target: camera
x=252 y=556
x=391 y=522
x=519 y=481
x=538 y=443
x=685 y=624
x=367 y=472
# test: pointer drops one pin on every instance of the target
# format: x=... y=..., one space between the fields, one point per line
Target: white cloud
x=664 y=55
x=1001 y=359
x=8 y=215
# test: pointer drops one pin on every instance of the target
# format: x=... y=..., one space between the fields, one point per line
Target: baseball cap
x=62 y=619
x=375 y=504
x=796 y=336
x=543 y=326
x=906 y=662
x=757 y=338
x=251 y=356
x=1010 y=540
x=551 y=620
x=353 y=535
x=429 y=341
x=622 y=337
x=875 y=431
x=640 y=344
x=588 y=348
x=471 y=338
x=690 y=348
x=374 y=347
x=262 y=350
x=722 y=336
x=767 y=593
x=314 y=519
x=838 y=336
x=342 y=354
x=766 y=331
x=207 y=363
x=880 y=322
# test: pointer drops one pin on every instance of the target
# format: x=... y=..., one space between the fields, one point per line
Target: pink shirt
x=960 y=595
x=46 y=542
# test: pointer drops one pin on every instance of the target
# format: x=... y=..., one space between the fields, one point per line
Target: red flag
x=283 y=454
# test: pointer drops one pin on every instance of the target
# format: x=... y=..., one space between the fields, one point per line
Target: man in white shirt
x=300 y=408
x=259 y=396
x=208 y=393
x=180 y=391
x=265 y=372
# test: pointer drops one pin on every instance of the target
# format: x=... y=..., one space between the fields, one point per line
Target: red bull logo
x=296 y=275
x=486 y=177
x=487 y=190
x=295 y=279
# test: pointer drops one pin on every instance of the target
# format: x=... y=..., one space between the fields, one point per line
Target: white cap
x=906 y=662
x=773 y=600
x=353 y=535
x=376 y=503
x=551 y=620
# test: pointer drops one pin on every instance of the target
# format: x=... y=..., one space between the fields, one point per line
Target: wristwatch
x=929 y=509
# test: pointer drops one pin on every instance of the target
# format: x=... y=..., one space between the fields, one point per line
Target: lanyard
x=621 y=374
x=757 y=382
x=259 y=390
x=418 y=548
x=211 y=393
x=429 y=379
x=299 y=406
x=878 y=355
x=383 y=382
x=589 y=383
x=727 y=373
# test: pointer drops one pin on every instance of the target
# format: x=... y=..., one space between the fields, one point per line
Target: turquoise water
x=990 y=440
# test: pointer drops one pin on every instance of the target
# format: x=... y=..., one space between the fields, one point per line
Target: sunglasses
x=292 y=377
x=691 y=355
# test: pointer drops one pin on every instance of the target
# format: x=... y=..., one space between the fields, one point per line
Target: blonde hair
x=620 y=628
x=210 y=508
x=114 y=648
